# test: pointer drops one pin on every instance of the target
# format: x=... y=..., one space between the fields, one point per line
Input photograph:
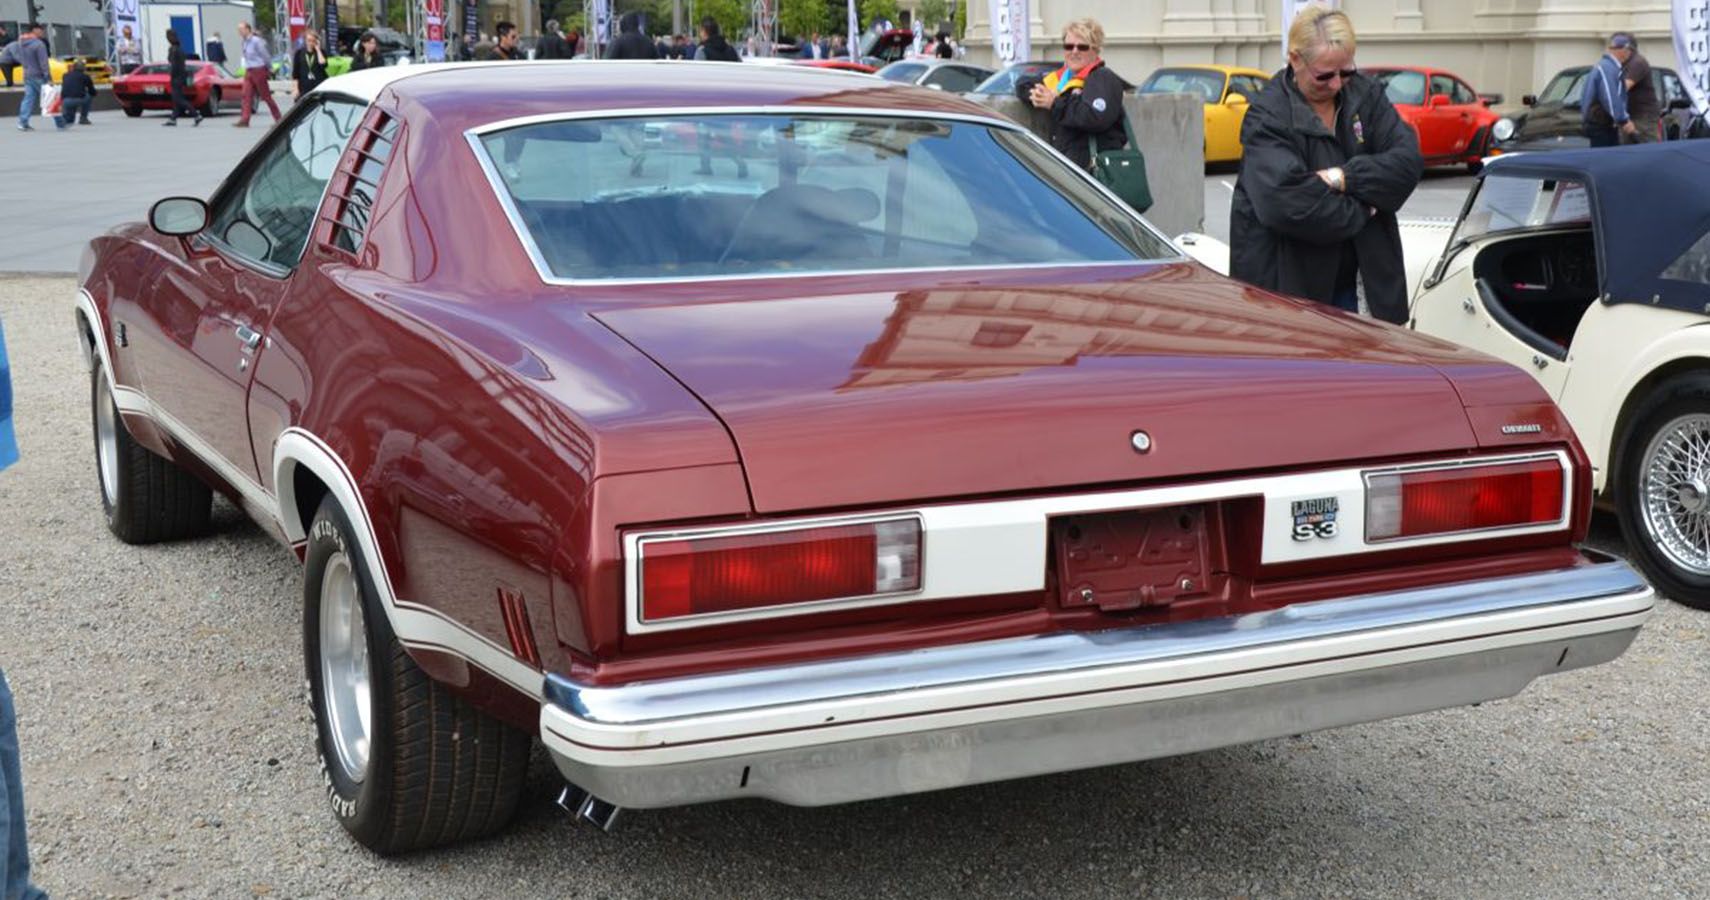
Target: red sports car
x=148 y=88
x=1452 y=120
x=894 y=455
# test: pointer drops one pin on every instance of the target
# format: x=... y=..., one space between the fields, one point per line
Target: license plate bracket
x=1138 y=558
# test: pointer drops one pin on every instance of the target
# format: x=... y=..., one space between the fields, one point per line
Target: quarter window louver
x=359 y=180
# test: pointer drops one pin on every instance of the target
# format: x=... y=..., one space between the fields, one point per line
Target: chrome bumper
x=897 y=723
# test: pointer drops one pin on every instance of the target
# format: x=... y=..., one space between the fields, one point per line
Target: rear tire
x=134 y=110
x=1663 y=492
x=407 y=764
x=211 y=108
x=145 y=497
x=1475 y=166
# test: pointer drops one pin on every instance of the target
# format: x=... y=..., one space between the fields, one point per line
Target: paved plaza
x=85 y=180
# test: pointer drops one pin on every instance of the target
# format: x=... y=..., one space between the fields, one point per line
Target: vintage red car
x=1453 y=121
x=149 y=88
x=906 y=458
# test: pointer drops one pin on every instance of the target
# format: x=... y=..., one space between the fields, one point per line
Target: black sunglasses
x=1324 y=77
x=1068 y=47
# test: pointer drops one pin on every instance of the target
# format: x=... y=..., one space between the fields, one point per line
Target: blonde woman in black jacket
x=1326 y=164
x=1084 y=96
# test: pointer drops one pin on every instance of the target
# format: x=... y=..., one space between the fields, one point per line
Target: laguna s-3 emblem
x=1315 y=518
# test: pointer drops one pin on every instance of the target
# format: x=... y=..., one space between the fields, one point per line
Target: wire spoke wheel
x=1675 y=481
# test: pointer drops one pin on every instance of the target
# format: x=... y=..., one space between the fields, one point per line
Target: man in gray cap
x=1603 y=112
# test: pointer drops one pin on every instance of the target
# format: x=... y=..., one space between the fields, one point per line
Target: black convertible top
x=1650 y=204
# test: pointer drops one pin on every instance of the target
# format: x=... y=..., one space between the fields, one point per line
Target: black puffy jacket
x=1287 y=228
x=1094 y=109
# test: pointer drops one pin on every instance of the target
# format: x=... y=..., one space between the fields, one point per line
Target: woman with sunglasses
x=1326 y=164
x=1084 y=96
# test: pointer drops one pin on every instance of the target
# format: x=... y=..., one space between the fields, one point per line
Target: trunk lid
x=859 y=399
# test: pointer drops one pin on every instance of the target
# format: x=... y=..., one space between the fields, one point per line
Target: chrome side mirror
x=178 y=216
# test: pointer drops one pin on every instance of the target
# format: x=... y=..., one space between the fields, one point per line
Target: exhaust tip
x=585 y=807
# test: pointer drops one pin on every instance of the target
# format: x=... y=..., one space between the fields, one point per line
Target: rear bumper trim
x=840 y=730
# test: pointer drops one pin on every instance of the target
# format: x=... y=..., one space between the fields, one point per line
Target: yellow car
x=1225 y=91
x=95 y=66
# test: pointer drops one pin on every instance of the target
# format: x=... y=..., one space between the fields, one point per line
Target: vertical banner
x=854 y=33
x=433 y=24
x=1692 y=49
x=472 y=17
x=331 y=35
x=125 y=16
x=298 y=19
x=1010 y=30
x=602 y=26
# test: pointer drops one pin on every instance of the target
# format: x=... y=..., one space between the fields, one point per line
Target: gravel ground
x=167 y=751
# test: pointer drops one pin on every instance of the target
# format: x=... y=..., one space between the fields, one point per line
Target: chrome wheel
x=346 y=688
x=1675 y=473
x=106 y=440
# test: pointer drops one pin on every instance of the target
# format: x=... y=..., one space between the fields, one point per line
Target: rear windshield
x=683 y=196
x=1208 y=86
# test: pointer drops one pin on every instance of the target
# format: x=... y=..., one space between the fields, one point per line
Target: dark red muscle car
x=150 y=88
x=893 y=455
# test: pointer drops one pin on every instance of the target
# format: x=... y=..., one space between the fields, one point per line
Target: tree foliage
x=874 y=10
x=933 y=13
x=802 y=18
x=731 y=15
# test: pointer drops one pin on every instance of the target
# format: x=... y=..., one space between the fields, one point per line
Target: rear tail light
x=765 y=570
x=1419 y=503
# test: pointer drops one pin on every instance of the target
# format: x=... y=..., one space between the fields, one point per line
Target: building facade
x=1511 y=47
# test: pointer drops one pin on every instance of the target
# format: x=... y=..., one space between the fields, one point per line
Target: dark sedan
x=1552 y=118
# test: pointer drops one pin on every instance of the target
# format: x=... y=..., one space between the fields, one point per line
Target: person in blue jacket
x=1603 y=112
x=14 y=851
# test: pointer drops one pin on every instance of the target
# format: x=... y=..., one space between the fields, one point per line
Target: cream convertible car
x=1590 y=269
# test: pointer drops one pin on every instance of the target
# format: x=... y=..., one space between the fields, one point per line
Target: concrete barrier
x=1170 y=129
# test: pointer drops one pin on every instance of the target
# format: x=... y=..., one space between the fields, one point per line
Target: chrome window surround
x=999 y=547
x=635 y=551
x=496 y=182
x=1560 y=521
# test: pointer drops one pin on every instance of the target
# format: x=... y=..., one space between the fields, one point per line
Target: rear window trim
x=496 y=183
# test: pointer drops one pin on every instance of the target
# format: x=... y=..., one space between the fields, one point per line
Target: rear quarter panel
x=1617 y=352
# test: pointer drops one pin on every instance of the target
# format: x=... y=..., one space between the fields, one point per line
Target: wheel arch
x=1634 y=399
x=305 y=472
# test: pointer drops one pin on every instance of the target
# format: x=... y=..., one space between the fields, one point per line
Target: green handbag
x=1123 y=171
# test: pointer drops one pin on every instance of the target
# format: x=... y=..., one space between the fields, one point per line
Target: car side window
x=1464 y=94
x=1404 y=87
x=1247 y=86
x=1443 y=84
x=1671 y=87
x=267 y=215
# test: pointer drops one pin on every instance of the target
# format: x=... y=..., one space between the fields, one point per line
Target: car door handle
x=249 y=337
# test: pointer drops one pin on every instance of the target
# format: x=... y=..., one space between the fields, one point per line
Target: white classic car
x=1590 y=269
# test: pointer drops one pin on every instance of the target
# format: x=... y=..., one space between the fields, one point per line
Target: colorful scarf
x=1065 y=79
